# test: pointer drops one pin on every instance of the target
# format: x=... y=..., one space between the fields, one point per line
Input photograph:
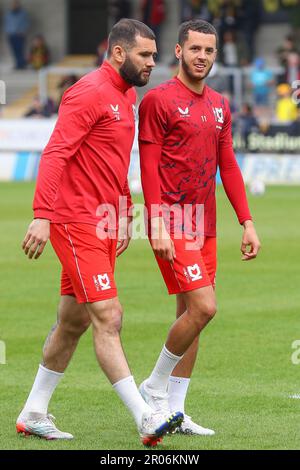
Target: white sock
x=131 y=397
x=177 y=389
x=159 y=377
x=44 y=385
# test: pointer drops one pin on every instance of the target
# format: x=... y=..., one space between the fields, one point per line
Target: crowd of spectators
x=267 y=97
x=16 y=26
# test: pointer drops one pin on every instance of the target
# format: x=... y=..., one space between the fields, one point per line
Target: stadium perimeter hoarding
x=22 y=141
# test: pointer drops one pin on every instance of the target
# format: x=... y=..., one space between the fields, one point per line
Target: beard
x=132 y=75
x=190 y=74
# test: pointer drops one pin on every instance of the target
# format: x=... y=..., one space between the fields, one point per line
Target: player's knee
x=116 y=318
x=75 y=326
x=209 y=310
x=84 y=325
x=109 y=319
x=202 y=314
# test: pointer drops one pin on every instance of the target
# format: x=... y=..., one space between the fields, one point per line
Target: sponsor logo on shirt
x=102 y=282
x=194 y=272
x=183 y=112
x=116 y=112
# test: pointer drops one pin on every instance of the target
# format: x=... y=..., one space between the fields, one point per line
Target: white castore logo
x=194 y=272
x=115 y=110
x=184 y=112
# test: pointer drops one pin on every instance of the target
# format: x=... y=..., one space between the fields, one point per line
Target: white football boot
x=156 y=399
x=155 y=426
x=190 y=428
x=37 y=424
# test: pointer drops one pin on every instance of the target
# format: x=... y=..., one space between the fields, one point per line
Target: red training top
x=85 y=162
x=183 y=137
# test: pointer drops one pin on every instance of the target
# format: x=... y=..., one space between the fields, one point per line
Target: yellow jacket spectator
x=286 y=108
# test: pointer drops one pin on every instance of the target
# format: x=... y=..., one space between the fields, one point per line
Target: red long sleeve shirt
x=183 y=137
x=85 y=163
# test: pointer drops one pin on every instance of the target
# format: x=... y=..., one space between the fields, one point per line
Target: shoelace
x=150 y=420
x=46 y=420
x=162 y=399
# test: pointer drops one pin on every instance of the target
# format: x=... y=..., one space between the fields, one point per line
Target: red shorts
x=192 y=268
x=88 y=262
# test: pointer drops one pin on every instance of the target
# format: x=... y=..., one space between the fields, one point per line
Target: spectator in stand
x=226 y=19
x=292 y=72
x=250 y=12
x=246 y=122
x=65 y=83
x=186 y=11
x=39 y=55
x=286 y=108
x=230 y=50
x=261 y=81
x=194 y=9
x=39 y=110
x=16 y=23
x=229 y=14
x=101 y=52
x=295 y=21
x=153 y=15
x=119 y=9
x=284 y=50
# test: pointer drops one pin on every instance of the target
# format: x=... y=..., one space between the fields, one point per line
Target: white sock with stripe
x=131 y=397
x=177 y=389
x=159 y=377
x=43 y=387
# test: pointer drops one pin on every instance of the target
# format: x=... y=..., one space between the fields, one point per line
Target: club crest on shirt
x=116 y=112
x=219 y=116
x=184 y=112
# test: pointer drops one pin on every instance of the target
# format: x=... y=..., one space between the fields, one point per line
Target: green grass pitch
x=244 y=373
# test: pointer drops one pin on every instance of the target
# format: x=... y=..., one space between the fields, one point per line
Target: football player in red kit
x=184 y=136
x=82 y=176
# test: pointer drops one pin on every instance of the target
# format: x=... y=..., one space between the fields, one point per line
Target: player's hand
x=124 y=234
x=36 y=238
x=250 y=242
x=161 y=242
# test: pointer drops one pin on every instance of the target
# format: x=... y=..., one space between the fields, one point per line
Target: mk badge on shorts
x=194 y=272
x=102 y=282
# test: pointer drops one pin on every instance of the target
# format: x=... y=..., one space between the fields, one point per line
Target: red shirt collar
x=194 y=93
x=115 y=77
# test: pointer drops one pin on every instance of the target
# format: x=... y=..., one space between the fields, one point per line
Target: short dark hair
x=200 y=26
x=124 y=33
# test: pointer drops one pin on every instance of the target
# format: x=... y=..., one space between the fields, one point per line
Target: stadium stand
x=23 y=87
